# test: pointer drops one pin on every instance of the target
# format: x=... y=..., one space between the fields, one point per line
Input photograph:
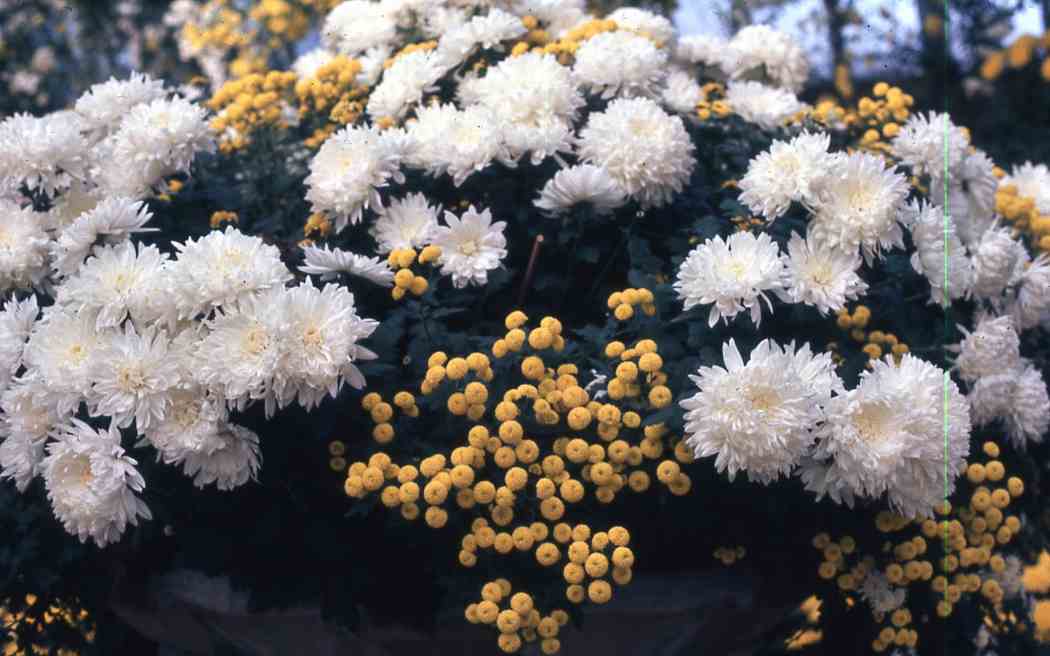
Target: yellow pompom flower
x=599 y=591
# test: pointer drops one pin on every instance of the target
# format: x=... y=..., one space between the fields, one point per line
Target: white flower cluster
x=786 y=410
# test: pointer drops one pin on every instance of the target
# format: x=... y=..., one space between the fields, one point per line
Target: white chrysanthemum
x=759 y=417
x=191 y=425
x=645 y=149
x=357 y=25
x=890 y=435
x=67 y=208
x=306 y=64
x=581 y=184
x=880 y=596
x=132 y=377
x=556 y=16
x=1019 y=397
x=407 y=222
x=536 y=99
x=681 y=92
x=775 y=53
x=230 y=465
x=16 y=320
x=734 y=275
x=785 y=173
x=702 y=49
x=329 y=262
x=992 y=347
x=440 y=19
x=320 y=343
x=1033 y=294
x=348 y=171
x=25 y=421
x=488 y=31
x=1032 y=181
x=972 y=196
x=995 y=257
x=455 y=142
x=23 y=247
x=155 y=139
x=91 y=483
x=929 y=142
x=117 y=282
x=46 y=153
x=112 y=220
x=766 y=106
x=648 y=23
x=939 y=254
x=403 y=85
x=471 y=246
x=61 y=350
x=856 y=205
x=620 y=63
x=821 y=277
x=223 y=268
x=104 y=105
x=372 y=65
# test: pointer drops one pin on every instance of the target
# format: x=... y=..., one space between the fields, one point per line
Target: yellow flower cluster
x=501 y=475
x=1023 y=215
x=729 y=555
x=876 y=342
x=285 y=21
x=248 y=103
x=38 y=616
x=222 y=29
x=745 y=223
x=332 y=89
x=622 y=303
x=519 y=621
x=220 y=217
x=881 y=116
x=405 y=280
x=565 y=48
x=713 y=103
x=1018 y=54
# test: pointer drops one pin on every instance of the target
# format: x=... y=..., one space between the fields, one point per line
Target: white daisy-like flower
x=704 y=49
x=112 y=220
x=972 y=195
x=74 y=201
x=890 y=435
x=777 y=54
x=403 y=84
x=856 y=205
x=785 y=173
x=1032 y=181
x=1019 y=397
x=1033 y=293
x=821 y=277
x=155 y=139
x=645 y=149
x=557 y=16
x=25 y=421
x=328 y=262
x=407 y=222
x=766 y=106
x=104 y=105
x=23 y=247
x=223 y=268
x=928 y=143
x=191 y=425
x=115 y=283
x=91 y=483
x=759 y=417
x=445 y=140
x=372 y=65
x=132 y=377
x=580 y=184
x=357 y=25
x=61 y=349
x=620 y=63
x=992 y=347
x=733 y=275
x=348 y=171
x=230 y=465
x=471 y=246
x=440 y=19
x=681 y=92
x=16 y=321
x=320 y=342
x=47 y=153
x=880 y=596
x=488 y=31
x=940 y=255
x=537 y=100
x=307 y=64
x=658 y=28
x=995 y=257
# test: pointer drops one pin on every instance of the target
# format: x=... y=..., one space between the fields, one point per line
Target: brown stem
x=530 y=269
